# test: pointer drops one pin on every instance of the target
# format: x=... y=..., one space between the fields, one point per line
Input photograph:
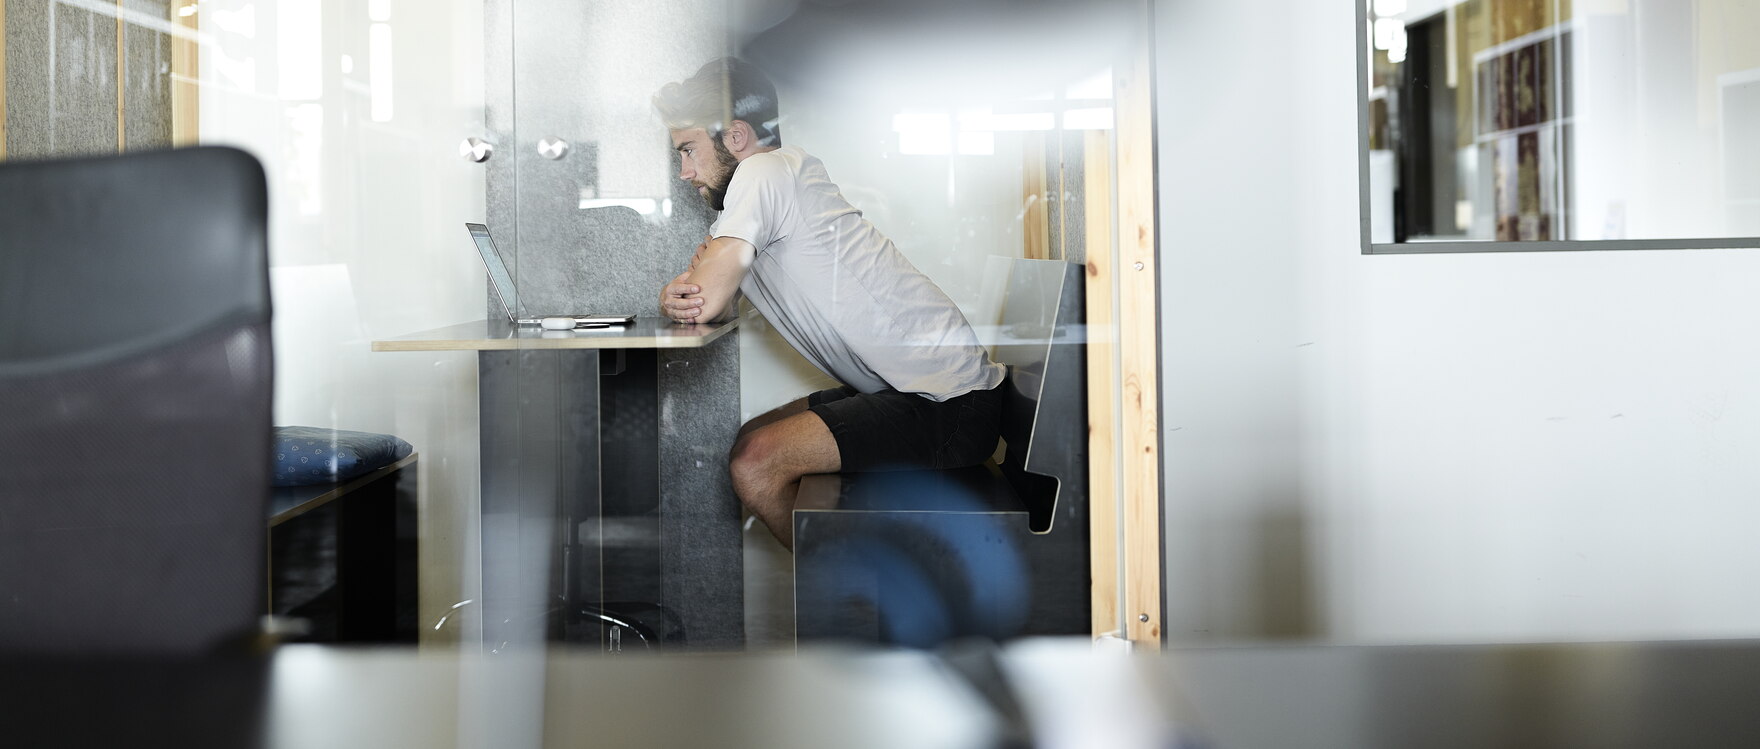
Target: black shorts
x=890 y=430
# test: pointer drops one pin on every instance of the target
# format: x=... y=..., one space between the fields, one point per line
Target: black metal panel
x=348 y=566
x=1059 y=556
x=579 y=562
x=539 y=424
x=631 y=515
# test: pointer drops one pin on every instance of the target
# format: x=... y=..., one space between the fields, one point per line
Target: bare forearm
x=719 y=309
x=717 y=275
x=731 y=311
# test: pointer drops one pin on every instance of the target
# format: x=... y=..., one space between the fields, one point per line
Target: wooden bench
x=1001 y=550
x=343 y=556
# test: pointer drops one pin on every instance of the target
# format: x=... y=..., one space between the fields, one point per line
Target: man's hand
x=677 y=300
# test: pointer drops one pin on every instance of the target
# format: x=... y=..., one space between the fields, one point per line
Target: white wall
x=365 y=235
x=1424 y=448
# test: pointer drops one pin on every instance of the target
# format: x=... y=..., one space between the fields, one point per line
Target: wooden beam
x=1060 y=243
x=1101 y=274
x=1139 y=350
x=186 y=78
x=1035 y=228
x=2 y=80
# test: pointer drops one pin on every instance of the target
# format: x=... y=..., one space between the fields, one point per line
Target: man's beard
x=716 y=193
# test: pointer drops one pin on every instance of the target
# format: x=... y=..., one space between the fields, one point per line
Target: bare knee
x=752 y=462
x=748 y=455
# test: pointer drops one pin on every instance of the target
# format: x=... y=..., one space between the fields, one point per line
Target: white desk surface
x=497 y=335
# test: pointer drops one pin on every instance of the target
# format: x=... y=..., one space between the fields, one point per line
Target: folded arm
x=707 y=292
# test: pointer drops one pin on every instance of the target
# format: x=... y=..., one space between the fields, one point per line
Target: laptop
x=502 y=281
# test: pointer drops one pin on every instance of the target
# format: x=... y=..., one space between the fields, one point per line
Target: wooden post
x=1103 y=503
x=186 y=76
x=2 y=80
x=1138 y=349
x=1035 y=227
x=1124 y=447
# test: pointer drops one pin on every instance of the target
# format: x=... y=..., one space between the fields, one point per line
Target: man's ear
x=739 y=136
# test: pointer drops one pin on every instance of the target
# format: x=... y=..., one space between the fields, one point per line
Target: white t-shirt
x=838 y=289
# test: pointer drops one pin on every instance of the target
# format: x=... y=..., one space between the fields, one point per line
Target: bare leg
x=798 y=405
x=768 y=462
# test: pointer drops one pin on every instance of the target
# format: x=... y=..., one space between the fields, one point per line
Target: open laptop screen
x=498 y=275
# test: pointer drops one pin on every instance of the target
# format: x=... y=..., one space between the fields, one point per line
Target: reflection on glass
x=964 y=143
x=1532 y=120
x=971 y=158
x=361 y=208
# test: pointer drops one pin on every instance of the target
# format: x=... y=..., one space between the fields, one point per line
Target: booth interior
x=441 y=472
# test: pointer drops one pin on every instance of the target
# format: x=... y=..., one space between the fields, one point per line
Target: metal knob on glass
x=476 y=149
x=553 y=148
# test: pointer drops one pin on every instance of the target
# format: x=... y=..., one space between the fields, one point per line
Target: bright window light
x=1098 y=118
x=644 y=206
x=1389 y=7
x=923 y=134
x=379 y=70
x=1385 y=28
x=299 y=26
x=977 y=144
x=981 y=120
x=379 y=10
x=1396 y=52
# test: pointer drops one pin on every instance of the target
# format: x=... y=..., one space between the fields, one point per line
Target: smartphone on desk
x=584 y=320
x=576 y=322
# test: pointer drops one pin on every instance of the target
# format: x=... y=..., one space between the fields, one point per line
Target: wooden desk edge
x=514 y=344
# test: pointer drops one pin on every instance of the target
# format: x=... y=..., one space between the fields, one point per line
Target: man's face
x=705 y=163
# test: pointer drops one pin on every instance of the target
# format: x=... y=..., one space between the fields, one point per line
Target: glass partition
x=982 y=145
x=575 y=486
x=355 y=110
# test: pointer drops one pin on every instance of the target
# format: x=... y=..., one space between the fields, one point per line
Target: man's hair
x=722 y=91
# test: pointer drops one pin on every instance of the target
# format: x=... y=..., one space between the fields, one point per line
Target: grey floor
x=769 y=573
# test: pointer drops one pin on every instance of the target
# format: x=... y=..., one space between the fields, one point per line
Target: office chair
x=134 y=402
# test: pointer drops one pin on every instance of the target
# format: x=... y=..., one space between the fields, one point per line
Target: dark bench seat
x=342 y=556
x=1000 y=550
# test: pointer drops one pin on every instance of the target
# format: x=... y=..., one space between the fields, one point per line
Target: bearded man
x=918 y=391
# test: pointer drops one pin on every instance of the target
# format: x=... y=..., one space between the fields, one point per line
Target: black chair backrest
x=135 y=399
x=1045 y=419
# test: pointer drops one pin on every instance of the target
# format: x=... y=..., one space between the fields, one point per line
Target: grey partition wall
x=586 y=208
x=67 y=91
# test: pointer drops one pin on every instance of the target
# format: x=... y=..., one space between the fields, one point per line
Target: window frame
x=1489 y=245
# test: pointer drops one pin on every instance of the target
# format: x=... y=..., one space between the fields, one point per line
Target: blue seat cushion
x=317 y=455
